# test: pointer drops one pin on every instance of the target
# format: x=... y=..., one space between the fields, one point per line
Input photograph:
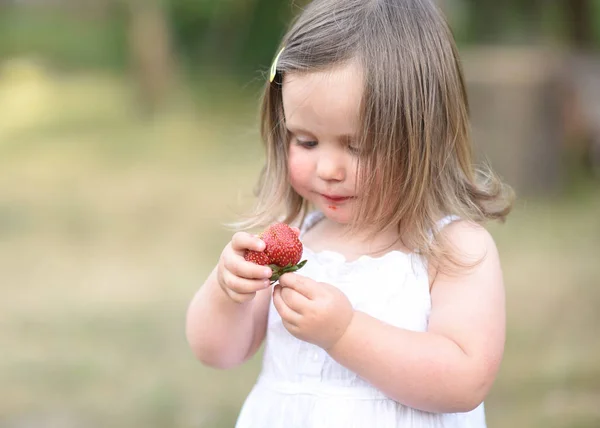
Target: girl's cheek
x=297 y=176
x=298 y=167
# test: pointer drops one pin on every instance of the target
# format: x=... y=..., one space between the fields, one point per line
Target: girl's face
x=322 y=115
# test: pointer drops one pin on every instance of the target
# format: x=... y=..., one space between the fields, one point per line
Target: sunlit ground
x=110 y=222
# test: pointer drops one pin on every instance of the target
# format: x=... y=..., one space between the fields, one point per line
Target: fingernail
x=268 y=273
x=267 y=283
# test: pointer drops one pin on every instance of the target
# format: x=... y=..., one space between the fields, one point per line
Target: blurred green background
x=128 y=135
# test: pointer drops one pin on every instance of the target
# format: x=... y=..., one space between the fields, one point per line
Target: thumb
x=301 y=284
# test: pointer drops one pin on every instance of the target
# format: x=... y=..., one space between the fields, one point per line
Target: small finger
x=245 y=269
x=286 y=313
x=301 y=284
x=243 y=241
x=244 y=285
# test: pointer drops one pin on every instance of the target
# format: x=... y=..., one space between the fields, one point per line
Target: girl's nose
x=331 y=168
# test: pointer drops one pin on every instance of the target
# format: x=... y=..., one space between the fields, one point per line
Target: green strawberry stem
x=278 y=270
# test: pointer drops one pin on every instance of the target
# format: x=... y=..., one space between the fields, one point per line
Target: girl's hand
x=238 y=278
x=315 y=312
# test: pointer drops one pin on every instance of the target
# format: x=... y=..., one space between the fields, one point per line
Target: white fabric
x=301 y=386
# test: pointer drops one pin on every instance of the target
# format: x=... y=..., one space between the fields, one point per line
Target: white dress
x=301 y=386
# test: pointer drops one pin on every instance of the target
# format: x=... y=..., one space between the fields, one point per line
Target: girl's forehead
x=321 y=100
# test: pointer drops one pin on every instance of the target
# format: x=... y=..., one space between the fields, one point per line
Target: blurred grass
x=110 y=222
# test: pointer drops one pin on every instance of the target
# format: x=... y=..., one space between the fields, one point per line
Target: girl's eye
x=307 y=144
x=354 y=150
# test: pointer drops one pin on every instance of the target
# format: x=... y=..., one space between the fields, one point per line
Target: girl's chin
x=337 y=213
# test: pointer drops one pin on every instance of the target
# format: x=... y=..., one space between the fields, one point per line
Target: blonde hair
x=414 y=120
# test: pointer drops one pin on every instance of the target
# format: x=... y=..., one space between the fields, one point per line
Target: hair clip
x=274 y=66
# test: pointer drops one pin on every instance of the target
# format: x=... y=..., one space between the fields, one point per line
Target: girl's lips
x=336 y=199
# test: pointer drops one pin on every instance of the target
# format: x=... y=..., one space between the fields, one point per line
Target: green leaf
x=278 y=270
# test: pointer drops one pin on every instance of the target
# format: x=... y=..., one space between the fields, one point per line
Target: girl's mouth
x=334 y=199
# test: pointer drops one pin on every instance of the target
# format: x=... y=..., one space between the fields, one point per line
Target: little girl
x=397 y=319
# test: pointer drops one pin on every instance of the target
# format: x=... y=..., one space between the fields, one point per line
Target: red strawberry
x=283 y=246
x=258 y=257
x=282 y=252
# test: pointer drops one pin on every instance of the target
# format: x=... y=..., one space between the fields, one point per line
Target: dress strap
x=311 y=219
x=446 y=221
x=443 y=222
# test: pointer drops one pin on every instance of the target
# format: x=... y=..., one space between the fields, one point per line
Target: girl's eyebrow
x=296 y=129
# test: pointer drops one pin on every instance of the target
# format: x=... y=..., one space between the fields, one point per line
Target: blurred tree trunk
x=151 y=52
x=516 y=108
x=581 y=21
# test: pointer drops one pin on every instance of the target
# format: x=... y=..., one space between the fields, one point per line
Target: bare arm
x=452 y=366
x=221 y=332
x=227 y=318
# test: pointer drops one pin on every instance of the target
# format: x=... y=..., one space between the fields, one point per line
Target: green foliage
x=67 y=40
x=521 y=21
x=240 y=36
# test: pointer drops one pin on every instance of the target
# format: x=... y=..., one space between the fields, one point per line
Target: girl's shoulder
x=464 y=236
